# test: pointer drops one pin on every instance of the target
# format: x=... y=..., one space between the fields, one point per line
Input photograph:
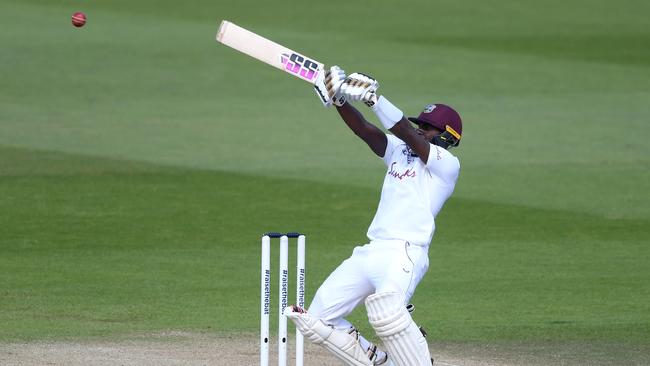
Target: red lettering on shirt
x=408 y=173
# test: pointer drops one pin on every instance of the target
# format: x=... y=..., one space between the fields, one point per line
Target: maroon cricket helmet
x=444 y=118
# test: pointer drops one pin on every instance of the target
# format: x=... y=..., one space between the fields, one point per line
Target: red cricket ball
x=78 y=19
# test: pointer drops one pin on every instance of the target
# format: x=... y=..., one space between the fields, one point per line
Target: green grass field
x=140 y=162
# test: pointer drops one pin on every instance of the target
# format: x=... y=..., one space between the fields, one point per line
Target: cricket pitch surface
x=183 y=348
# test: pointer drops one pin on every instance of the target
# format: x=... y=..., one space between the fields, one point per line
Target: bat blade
x=270 y=52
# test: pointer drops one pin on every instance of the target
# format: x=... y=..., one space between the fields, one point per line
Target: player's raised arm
x=358 y=87
x=392 y=118
x=373 y=136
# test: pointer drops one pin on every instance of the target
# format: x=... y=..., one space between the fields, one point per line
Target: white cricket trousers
x=381 y=266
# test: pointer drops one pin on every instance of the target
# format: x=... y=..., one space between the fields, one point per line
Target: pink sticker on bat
x=300 y=66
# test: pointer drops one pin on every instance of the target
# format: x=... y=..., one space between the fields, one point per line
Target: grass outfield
x=140 y=161
x=99 y=247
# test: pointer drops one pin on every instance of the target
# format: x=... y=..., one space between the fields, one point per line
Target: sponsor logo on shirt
x=408 y=173
x=410 y=154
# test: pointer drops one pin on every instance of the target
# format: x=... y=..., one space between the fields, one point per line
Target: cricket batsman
x=421 y=174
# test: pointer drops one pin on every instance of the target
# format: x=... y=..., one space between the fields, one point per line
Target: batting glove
x=334 y=78
x=360 y=87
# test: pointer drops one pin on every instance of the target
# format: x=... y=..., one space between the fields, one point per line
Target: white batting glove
x=334 y=78
x=360 y=87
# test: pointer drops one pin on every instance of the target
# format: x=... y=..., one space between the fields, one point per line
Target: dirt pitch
x=182 y=348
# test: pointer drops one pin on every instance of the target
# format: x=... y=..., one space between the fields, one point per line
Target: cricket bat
x=275 y=55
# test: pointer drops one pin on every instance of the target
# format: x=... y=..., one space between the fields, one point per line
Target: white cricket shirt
x=413 y=193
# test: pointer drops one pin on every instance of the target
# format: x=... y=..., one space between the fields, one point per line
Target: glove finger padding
x=358 y=86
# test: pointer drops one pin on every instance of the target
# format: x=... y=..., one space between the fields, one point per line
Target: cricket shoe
x=375 y=355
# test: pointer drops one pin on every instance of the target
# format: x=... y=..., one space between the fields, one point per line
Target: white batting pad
x=402 y=338
x=343 y=345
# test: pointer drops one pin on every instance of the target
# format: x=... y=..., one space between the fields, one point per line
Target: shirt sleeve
x=443 y=164
x=391 y=144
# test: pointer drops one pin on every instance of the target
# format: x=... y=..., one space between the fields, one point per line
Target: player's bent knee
x=394 y=326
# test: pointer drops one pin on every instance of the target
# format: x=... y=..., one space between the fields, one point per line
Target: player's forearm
x=353 y=118
x=369 y=133
x=373 y=136
x=405 y=132
x=392 y=118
